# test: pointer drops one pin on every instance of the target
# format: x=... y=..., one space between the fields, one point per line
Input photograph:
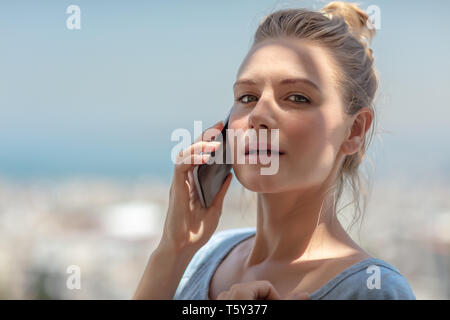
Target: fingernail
x=206 y=157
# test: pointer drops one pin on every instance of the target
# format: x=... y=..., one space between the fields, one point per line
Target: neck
x=294 y=226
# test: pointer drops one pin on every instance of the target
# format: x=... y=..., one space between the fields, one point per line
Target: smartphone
x=208 y=178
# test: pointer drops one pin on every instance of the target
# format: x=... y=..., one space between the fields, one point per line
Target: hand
x=259 y=290
x=188 y=224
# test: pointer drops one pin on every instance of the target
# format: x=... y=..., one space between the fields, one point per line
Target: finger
x=242 y=291
x=210 y=133
x=297 y=296
x=183 y=166
x=197 y=148
x=180 y=188
x=218 y=200
x=191 y=156
x=222 y=296
x=183 y=185
x=266 y=291
x=194 y=198
x=256 y=290
x=192 y=190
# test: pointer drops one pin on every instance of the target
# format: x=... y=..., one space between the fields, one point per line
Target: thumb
x=297 y=296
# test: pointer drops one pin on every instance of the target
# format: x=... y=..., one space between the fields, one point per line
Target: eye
x=299 y=98
x=241 y=99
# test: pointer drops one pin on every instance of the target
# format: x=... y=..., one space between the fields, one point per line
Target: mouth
x=267 y=152
x=262 y=151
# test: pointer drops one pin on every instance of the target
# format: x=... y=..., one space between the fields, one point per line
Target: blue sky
x=104 y=100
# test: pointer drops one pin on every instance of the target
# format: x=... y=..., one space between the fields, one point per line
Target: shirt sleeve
x=196 y=267
x=194 y=281
x=373 y=283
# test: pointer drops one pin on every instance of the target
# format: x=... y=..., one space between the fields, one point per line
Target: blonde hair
x=346 y=31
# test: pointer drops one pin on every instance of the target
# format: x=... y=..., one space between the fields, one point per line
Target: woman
x=310 y=75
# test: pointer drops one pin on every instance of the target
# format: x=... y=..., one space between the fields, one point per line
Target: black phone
x=208 y=178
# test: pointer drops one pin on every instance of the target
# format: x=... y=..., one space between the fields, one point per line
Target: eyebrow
x=283 y=82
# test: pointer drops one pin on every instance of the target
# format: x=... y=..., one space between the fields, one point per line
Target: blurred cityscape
x=109 y=229
x=105 y=100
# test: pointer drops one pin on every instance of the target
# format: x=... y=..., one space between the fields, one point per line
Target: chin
x=252 y=179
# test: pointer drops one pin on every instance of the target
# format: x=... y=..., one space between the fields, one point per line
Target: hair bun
x=357 y=20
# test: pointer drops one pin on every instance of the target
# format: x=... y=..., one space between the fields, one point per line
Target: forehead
x=282 y=57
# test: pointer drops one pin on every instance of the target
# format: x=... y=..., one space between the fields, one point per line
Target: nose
x=262 y=115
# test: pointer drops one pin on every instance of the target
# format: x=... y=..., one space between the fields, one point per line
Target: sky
x=104 y=100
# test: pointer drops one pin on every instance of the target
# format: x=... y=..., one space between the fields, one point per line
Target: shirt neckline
x=323 y=290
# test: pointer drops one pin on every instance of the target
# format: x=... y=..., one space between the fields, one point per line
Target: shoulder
x=220 y=241
x=194 y=281
x=370 y=279
x=230 y=235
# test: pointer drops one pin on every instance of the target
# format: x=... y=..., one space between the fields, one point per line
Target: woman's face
x=306 y=109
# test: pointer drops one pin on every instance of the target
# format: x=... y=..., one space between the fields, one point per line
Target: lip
x=257 y=150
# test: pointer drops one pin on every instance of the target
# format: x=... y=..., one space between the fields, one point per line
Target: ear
x=359 y=124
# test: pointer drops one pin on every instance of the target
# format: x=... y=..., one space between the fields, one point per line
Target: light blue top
x=352 y=283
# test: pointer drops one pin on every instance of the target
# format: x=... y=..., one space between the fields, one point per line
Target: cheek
x=237 y=137
x=313 y=145
x=306 y=135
